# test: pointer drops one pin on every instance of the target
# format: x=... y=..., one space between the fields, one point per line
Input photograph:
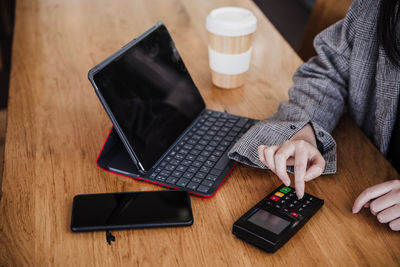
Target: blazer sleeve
x=317 y=97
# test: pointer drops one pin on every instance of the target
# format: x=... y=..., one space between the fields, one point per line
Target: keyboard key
x=229 y=138
x=228 y=116
x=192 y=186
x=215 y=172
x=222 y=163
x=241 y=122
x=197 y=164
x=199 y=147
x=183 y=151
x=196 y=137
x=193 y=169
x=195 y=152
x=188 y=147
x=174 y=162
x=221 y=148
x=172 y=180
x=161 y=178
x=232 y=133
x=165 y=173
x=210 y=148
x=207 y=137
x=212 y=177
x=225 y=143
x=207 y=183
x=213 y=158
x=153 y=175
x=179 y=157
x=192 y=142
x=190 y=157
x=181 y=168
x=222 y=134
x=203 y=142
x=215 y=114
x=205 y=153
x=209 y=163
x=213 y=143
x=201 y=158
x=188 y=175
x=182 y=182
x=170 y=167
x=203 y=189
x=204 y=169
x=197 y=180
x=200 y=175
x=186 y=162
x=177 y=173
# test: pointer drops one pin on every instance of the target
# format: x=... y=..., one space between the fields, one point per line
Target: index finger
x=300 y=166
x=371 y=193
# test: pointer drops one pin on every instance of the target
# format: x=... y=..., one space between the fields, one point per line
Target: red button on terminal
x=294 y=214
x=274 y=198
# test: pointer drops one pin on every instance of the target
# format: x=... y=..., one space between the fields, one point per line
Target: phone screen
x=131 y=210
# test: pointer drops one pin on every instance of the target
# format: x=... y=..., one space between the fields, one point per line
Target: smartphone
x=144 y=209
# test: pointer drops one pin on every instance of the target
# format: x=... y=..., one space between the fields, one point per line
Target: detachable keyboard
x=198 y=162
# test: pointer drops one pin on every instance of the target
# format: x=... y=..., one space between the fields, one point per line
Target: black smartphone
x=144 y=209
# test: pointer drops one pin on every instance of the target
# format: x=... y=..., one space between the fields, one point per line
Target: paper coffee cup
x=230 y=36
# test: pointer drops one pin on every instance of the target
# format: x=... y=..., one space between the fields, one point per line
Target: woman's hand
x=383 y=200
x=300 y=151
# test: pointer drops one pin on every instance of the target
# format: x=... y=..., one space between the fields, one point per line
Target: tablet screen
x=151 y=95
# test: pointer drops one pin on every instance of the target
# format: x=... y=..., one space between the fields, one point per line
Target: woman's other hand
x=302 y=152
x=383 y=200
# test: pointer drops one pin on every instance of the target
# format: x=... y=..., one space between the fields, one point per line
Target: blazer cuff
x=270 y=133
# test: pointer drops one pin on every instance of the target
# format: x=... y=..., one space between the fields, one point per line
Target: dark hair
x=387 y=33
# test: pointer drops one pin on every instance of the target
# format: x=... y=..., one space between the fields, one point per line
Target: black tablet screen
x=151 y=95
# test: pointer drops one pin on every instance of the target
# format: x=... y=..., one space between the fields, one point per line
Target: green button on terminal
x=285 y=190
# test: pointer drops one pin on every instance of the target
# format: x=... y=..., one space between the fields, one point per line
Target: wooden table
x=56 y=127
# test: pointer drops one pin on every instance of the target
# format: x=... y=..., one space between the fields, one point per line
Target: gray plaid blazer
x=352 y=73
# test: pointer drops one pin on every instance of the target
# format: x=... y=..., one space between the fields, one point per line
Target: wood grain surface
x=324 y=14
x=56 y=128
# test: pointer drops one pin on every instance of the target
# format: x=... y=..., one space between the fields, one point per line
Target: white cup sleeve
x=230 y=64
